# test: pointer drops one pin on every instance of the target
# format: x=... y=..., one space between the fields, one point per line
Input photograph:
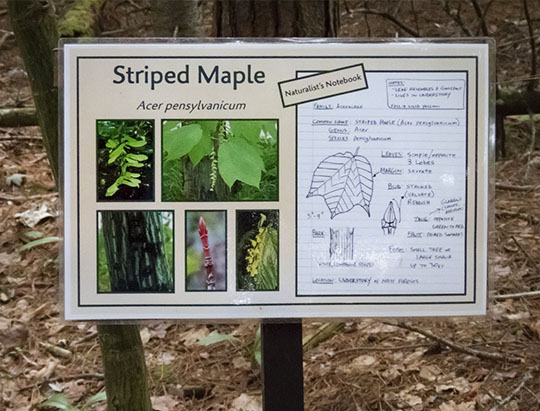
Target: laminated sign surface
x=250 y=180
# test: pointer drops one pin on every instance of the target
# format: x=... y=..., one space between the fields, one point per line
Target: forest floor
x=366 y=365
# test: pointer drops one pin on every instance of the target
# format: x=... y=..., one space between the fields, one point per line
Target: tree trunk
x=511 y=104
x=35 y=29
x=34 y=25
x=242 y=18
x=125 y=369
x=135 y=251
x=518 y=102
x=277 y=18
x=174 y=18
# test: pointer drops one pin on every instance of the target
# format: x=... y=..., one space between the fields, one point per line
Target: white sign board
x=265 y=180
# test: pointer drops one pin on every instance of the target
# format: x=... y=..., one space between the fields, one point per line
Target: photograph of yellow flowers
x=257 y=250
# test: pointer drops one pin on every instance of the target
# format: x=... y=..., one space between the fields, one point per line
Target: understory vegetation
x=257 y=263
x=220 y=160
x=125 y=160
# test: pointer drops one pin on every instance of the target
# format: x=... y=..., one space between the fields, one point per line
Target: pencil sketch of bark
x=341 y=244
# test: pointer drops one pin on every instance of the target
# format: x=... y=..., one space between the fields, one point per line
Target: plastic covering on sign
x=228 y=179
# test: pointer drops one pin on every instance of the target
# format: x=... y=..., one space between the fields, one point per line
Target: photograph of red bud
x=206 y=250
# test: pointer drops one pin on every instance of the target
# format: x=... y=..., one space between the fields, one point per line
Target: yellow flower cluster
x=214 y=169
x=254 y=253
x=219 y=136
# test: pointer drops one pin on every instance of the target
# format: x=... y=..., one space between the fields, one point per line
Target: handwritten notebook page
x=381 y=188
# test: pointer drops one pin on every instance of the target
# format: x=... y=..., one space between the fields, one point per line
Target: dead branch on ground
x=486 y=355
x=512 y=187
x=526 y=378
x=18 y=117
x=525 y=294
x=527 y=255
x=481 y=17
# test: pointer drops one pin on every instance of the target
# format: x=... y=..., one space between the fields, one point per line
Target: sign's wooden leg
x=283 y=376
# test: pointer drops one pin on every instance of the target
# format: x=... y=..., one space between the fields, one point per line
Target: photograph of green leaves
x=125 y=160
x=135 y=252
x=220 y=160
x=257 y=250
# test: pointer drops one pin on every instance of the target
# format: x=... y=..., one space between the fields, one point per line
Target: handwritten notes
x=423 y=94
x=381 y=188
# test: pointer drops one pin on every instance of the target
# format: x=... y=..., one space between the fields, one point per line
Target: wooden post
x=283 y=376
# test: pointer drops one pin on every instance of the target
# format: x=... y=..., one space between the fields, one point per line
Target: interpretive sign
x=286 y=179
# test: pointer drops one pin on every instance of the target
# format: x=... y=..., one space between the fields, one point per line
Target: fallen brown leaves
x=368 y=365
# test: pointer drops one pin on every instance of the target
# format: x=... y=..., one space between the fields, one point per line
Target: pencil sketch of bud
x=389 y=222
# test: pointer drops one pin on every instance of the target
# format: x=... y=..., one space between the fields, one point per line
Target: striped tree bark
x=135 y=249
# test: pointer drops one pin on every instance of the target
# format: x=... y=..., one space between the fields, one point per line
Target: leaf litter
x=370 y=365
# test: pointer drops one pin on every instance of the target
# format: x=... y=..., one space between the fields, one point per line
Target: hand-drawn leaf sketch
x=344 y=180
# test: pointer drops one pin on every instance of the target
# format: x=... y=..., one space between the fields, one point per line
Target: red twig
x=208 y=265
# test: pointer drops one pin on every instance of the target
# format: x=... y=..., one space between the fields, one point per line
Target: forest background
x=454 y=364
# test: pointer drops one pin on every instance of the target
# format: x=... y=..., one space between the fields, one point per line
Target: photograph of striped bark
x=135 y=252
x=206 y=250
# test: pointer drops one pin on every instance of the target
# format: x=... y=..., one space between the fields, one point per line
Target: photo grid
x=202 y=161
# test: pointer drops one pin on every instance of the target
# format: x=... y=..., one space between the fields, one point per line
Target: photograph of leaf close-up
x=125 y=160
x=135 y=252
x=257 y=250
x=220 y=160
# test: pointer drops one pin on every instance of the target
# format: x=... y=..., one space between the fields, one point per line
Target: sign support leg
x=283 y=375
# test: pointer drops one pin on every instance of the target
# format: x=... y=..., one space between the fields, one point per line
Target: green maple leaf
x=239 y=160
x=179 y=140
